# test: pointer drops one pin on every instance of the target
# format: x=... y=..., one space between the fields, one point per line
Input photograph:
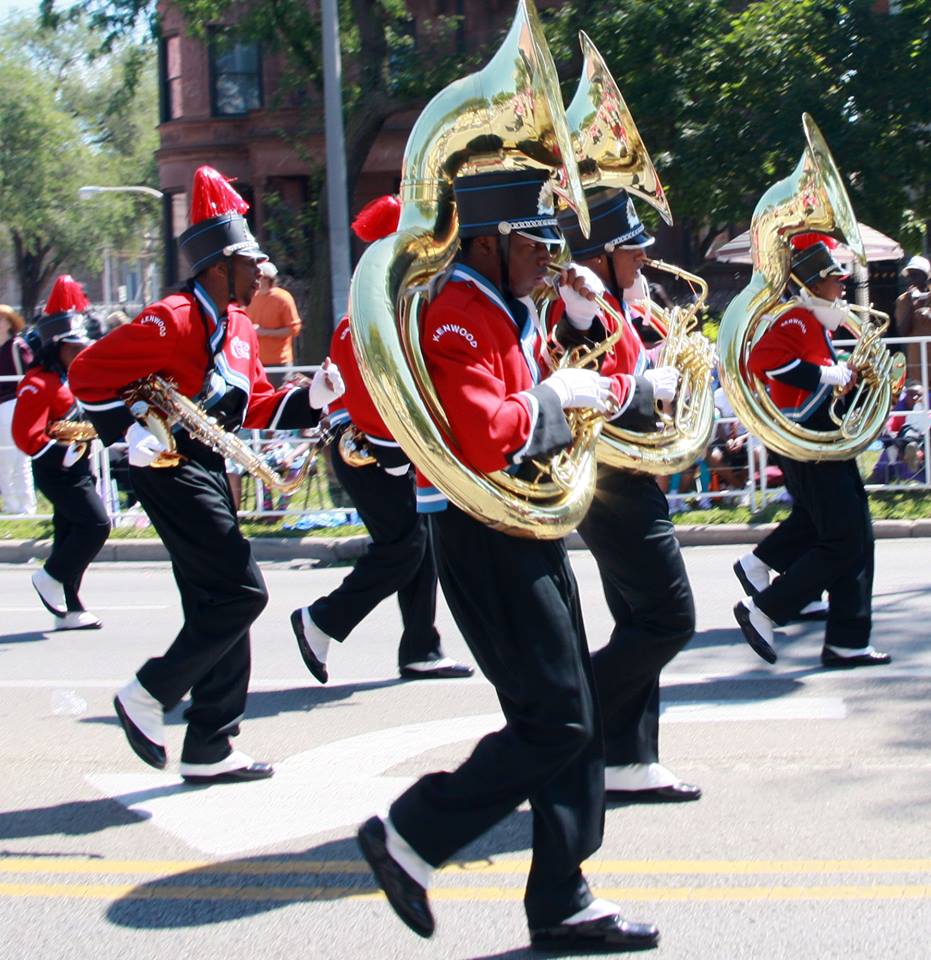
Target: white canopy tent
x=878 y=247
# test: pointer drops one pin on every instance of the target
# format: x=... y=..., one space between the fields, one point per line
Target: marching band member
x=826 y=542
x=399 y=559
x=61 y=470
x=204 y=342
x=627 y=527
x=514 y=599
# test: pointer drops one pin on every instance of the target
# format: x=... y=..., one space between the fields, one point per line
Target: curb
x=340 y=549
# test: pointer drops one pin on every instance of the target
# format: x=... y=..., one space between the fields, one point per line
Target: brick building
x=224 y=106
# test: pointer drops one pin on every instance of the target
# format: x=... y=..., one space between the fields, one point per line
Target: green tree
x=64 y=122
x=718 y=90
x=383 y=74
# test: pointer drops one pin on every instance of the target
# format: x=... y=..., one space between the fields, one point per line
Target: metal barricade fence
x=710 y=484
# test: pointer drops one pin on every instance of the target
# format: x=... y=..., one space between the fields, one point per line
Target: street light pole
x=90 y=191
x=337 y=202
x=85 y=193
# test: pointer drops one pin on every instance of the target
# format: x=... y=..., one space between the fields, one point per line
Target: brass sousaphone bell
x=611 y=153
x=509 y=115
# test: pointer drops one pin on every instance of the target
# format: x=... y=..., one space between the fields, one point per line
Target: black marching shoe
x=757 y=642
x=871 y=659
x=238 y=767
x=604 y=935
x=145 y=749
x=672 y=793
x=444 y=669
x=313 y=663
x=407 y=897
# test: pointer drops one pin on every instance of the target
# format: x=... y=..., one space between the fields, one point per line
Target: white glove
x=74 y=453
x=326 y=386
x=664 y=381
x=580 y=310
x=143 y=447
x=837 y=374
x=581 y=388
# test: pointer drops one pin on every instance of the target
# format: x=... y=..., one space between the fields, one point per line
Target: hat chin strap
x=504 y=260
x=230 y=281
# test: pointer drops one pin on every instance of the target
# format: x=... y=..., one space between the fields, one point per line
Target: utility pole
x=337 y=201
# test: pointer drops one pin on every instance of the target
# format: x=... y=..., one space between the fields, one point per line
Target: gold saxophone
x=79 y=432
x=507 y=116
x=812 y=197
x=158 y=404
x=354 y=448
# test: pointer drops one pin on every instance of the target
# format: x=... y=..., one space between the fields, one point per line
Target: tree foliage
x=718 y=89
x=67 y=121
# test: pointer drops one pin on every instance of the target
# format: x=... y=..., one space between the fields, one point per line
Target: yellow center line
x=269 y=894
x=296 y=866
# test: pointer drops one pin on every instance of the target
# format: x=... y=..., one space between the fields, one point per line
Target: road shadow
x=171 y=902
x=31 y=637
x=273 y=703
x=72 y=819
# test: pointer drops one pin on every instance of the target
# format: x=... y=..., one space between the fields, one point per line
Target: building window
x=169 y=67
x=235 y=77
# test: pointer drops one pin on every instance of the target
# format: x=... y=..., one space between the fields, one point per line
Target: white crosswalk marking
x=342 y=783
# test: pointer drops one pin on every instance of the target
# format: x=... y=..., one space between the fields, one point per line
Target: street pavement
x=812 y=838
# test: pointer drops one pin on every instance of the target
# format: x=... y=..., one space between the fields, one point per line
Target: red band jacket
x=788 y=359
x=210 y=357
x=355 y=405
x=485 y=356
x=42 y=397
x=624 y=363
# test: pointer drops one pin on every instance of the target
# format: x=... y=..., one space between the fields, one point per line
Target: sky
x=15 y=6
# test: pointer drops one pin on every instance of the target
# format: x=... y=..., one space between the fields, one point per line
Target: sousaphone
x=507 y=116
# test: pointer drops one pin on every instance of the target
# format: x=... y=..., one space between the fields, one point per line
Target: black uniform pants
x=399 y=560
x=222 y=593
x=633 y=541
x=826 y=543
x=79 y=521
x=516 y=603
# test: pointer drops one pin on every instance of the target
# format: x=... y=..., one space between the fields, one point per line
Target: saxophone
x=78 y=432
x=160 y=406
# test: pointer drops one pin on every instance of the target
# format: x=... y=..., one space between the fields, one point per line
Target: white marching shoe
x=78 y=620
x=752 y=573
x=143 y=721
x=757 y=629
x=51 y=593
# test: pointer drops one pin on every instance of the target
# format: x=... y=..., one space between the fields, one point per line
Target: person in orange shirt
x=274 y=315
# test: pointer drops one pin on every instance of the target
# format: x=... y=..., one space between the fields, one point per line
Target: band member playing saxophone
x=60 y=468
x=202 y=340
x=399 y=558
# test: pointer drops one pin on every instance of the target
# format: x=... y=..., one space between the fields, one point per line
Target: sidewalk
x=341 y=549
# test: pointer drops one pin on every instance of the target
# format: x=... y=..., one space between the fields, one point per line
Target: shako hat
x=614 y=226
x=62 y=319
x=505 y=202
x=813 y=260
x=218 y=224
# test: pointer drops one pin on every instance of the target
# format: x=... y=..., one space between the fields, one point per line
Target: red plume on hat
x=212 y=196
x=67 y=294
x=802 y=241
x=378 y=218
